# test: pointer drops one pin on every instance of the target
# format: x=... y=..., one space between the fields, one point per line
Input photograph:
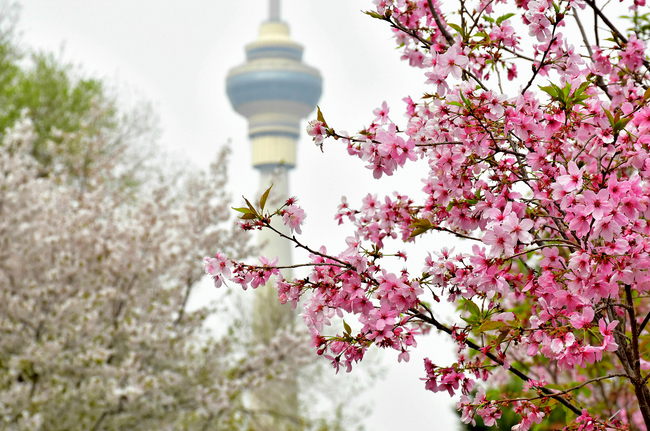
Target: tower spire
x=274 y=10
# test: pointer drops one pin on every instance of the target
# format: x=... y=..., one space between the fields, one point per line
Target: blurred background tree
x=101 y=250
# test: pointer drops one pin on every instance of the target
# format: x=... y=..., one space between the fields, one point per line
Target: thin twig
x=432 y=320
x=304 y=247
x=441 y=26
x=575 y=388
x=645 y=322
x=541 y=63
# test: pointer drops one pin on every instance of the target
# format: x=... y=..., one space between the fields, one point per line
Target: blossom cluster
x=550 y=183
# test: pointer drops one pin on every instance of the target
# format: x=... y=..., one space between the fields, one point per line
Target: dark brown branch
x=645 y=322
x=441 y=26
x=541 y=63
x=601 y=15
x=458 y=234
x=599 y=79
x=574 y=388
x=304 y=247
x=439 y=326
x=612 y=27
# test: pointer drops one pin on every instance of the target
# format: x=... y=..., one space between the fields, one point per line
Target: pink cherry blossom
x=293 y=216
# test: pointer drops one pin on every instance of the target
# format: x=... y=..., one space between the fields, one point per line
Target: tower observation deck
x=274 y=90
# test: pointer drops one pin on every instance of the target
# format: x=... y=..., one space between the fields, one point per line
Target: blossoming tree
x=534 y=127
x=98 y=261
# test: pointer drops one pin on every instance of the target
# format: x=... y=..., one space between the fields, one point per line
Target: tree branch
x=439 y=24
x=432 y=320
x=599 y=79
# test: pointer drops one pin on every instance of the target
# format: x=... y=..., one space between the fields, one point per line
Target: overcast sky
x=177 y=54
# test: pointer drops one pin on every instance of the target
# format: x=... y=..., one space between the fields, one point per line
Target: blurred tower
x=274 y=90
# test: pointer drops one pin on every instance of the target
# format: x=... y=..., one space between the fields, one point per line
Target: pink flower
x=579 y=321
x=606 y=228
x=571 y=180
x=552 y=258
x=518 y=228
x=580 y=220
x=597 y=205
x=218 y=267
x=452 y=62
x=317 y=131
x=293 y=216
x=381 y=113
x=439 y=80
x=607 y=331
x=502 y=242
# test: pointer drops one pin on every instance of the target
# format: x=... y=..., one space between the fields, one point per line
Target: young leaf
x=456 y=27
x=319 y=117
x=620 y=124
x=264 y=197
x=504 y=17
x=472 y=308
x=252 y=208
x=610 y=118
x=374 y=15
x=347 y=328
x=550 y=91
x=491 y=325
x=419 y=227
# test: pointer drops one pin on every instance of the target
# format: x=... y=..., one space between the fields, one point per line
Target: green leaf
x=470 y=320
x=456 y=27
x=556 y=8
x=582 y=88
x=504 y=17
x=419 y=227
x=610 y=117
x=473 y=308
x=374 y=14
x=620 y=124
x=242 y=210
x=319 y=117
x=252 y=208
x=347 y=328
x=464 y=99
x=550 y=91
x=503 y=333
x=491 y=325
x=264 y=197
x=248 y=216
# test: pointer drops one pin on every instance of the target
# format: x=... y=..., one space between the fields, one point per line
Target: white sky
x=176 y=54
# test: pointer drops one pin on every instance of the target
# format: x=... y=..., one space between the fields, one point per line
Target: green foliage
x=57 y=100
x=640 y=24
